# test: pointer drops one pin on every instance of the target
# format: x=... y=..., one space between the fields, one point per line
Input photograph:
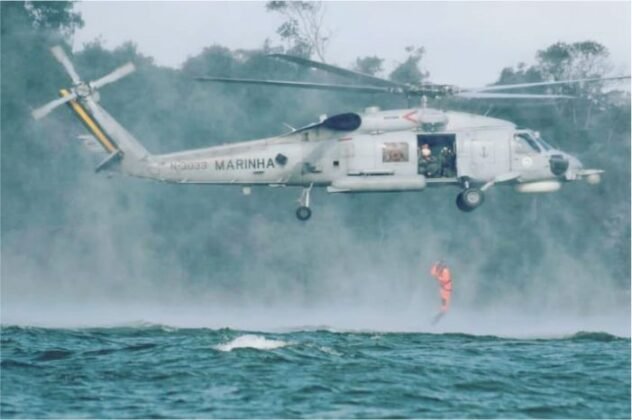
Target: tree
x=29 y=75
x=371 y=65
x=53 y=16
x=214 y=60
x=519 y=74
x=574 y=61
x=303 y=31
x=409 y=71
x=562 y=61
x=579 y=60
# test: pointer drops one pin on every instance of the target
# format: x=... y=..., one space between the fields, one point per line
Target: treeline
x=67 y=222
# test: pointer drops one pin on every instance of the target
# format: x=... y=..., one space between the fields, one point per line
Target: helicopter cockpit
x=529 y=141
x=533 y=154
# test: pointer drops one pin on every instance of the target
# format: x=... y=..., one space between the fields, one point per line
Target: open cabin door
x=440 y=162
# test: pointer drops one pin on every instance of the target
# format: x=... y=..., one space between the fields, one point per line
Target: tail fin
x=114 y=139
x=82 y=99
x=118 y=135
x=90 y=124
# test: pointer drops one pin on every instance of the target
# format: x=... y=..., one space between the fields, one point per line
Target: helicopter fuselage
x=373 y=157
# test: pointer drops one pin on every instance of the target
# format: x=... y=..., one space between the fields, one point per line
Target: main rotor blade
x=115 y=75
x=61 y=56
x=304 y=85
x=44 y=110
x=338 y=70
x=535 y=84
x=483 y=95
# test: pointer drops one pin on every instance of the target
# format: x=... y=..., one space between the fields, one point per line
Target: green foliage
x=303 y=31
x=57 y=16
x=409 y=71
x=28 y=31
x=371 y=65
x=520 y=74
x=573 y=61
x=595 y=128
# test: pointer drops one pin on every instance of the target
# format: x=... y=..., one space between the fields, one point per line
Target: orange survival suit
x=442 y=273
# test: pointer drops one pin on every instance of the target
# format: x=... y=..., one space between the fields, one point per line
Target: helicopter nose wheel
x=469 y=199
x=303 y=212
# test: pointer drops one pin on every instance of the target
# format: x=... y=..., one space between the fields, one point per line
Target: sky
x=466 y=43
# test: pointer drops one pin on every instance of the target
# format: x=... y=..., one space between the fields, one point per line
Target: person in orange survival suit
x=441 y=272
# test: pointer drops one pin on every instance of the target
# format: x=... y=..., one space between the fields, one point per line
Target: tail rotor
x=80 y=89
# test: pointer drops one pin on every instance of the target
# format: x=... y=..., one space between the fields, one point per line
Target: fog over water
x=102 y=271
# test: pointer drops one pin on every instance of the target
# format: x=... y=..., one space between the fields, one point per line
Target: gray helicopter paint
x=482 y=154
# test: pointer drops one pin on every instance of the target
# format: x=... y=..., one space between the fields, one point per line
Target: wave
x=282 y=319
x=251 y=341
x=595 y=336
x=53 y=354
x=255 y=339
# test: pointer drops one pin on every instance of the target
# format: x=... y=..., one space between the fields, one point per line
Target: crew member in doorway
x=441 y=272
x=428 y=164
x=446 y=161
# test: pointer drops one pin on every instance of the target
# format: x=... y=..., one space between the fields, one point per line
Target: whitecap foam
x=258 y=342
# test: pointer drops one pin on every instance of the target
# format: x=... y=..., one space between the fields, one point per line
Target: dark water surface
x=156 y=371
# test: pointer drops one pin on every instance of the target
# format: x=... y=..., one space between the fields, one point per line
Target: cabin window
x=395 y=152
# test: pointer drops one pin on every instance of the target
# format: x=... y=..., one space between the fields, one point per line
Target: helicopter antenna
x=424 y=102
x=292 y=129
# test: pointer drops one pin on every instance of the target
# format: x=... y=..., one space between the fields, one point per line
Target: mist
x=81 y=249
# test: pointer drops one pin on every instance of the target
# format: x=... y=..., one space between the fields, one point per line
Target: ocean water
x=145 y=370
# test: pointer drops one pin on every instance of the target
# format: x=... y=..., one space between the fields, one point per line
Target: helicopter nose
x=575 y=167
x=559 y=164
x=565 y=165
x=575 y=164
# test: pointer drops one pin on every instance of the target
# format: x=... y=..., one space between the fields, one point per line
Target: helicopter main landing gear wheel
x=469 y=199
x=303 y=212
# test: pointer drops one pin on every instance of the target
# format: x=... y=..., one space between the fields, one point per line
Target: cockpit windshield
x=526 y=139
x=546 y=145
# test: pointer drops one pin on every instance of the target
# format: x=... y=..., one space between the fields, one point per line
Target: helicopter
x=374 y=151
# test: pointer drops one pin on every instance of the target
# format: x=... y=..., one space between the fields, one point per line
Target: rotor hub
x=83 y=90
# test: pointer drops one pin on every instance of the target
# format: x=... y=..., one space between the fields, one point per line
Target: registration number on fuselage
x=223 y=164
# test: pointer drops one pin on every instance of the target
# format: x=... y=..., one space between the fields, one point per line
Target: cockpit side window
x=525 y=142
